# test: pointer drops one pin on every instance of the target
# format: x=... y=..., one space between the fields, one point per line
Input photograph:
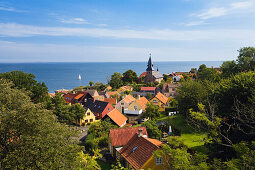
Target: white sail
x=79 y=77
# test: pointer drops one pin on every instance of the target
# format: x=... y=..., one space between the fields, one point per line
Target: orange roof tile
x=112 y=93
x=161 y=97
x=142 y=101
x=117 y=117
x=111 y=100
x=155 y=141
x=121 y=136
x=143 y=74
x=148 y=88
x=129 y=99
x=139 y=150
x=78 y=96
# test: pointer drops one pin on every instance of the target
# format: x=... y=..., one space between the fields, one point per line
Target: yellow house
x=88 y=117
x=136 y=109
x=160 y=100
x=138 y=153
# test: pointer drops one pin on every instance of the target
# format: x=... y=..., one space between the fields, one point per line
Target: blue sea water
x=65 y=75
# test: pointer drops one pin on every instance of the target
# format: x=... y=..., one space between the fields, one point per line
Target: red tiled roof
x=143 y=74
x=161 y=97
x=120 y=137
x=142 y=101
x=138 y=150
x=112 y=93
x=111 y=100
x=129 y=99
x=148 y=88
x=69 y=97
x=117 y=117
x=78 y=96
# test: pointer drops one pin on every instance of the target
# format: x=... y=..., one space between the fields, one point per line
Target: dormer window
x=159 y=161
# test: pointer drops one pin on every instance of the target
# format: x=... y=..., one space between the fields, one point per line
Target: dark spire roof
x=150 y=65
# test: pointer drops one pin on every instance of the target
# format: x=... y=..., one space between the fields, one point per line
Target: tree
x=205 y=73
x=152 y=129
x=91 y=83
x=116 y=80
x=193 y=70
x=129 y=76
x=151 y=111
x=229 y=68
x=246 y=58
x=31 y=137
x=38 y=91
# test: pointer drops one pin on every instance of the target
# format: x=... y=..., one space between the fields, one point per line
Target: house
x=151 y=74
x=124 y=103
x=88 y=117
x=135 y=110
x=138 y=153
x=95 y=94
x=63 y=91
x=108 y=88
x=120 y=137
x=124 y=88
x=111 y=94
x=169 y=89
x=160 y=100
x=136 y=94
x=116 y=117
x=99 y=108
x=152 y=90
x=79 y=97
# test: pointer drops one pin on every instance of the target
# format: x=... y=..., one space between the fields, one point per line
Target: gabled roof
x=161 y=97
x=121 y=136
x=111 y=100
x=143 y=74
x=148 y=88
x=117 y=117
x=93 y=92
x=157 y=75
x=112 y=93
x=142 y=101
x=139 y=150
x=78 y=96
x=128 y=99
x=95 y=106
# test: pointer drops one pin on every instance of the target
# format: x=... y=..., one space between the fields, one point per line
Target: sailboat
x=79 y=77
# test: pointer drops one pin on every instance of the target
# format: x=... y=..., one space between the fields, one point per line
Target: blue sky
x=124 y=30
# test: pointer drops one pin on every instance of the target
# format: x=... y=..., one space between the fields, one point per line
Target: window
x=109 y=109
x=122 y=103
x=135 y=107
x=159 y=161
x=173 y=89
x=88 y=114
x=154 y=101
x=86 y=121
x=90 y=120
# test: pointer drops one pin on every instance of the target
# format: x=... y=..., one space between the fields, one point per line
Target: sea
x=65 y=75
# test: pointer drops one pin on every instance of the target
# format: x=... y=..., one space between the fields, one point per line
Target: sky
x=124 y=30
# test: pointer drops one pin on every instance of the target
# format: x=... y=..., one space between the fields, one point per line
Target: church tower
x=149 y=72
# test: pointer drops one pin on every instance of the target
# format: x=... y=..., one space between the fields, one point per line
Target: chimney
x=140 y=133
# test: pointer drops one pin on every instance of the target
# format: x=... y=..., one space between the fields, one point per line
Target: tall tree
x=246 y=58
x=129 y=76
x=151 y=111
x=31 y=137
x=116 y=80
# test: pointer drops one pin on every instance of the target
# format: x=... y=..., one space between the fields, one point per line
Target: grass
x=103 y=165
x=192 y=139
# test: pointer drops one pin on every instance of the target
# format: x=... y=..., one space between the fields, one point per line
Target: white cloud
x=223 y=10
x=195 y=23
x=10 y=9
x=19 y=30
x=74 y=21
x=212 y=13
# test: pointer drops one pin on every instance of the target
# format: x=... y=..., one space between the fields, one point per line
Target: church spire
x=150 y=65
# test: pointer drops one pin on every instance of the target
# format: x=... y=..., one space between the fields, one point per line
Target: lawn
x=190 y=138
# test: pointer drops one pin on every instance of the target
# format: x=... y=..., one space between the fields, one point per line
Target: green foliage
x=205 y=73
x=129 y=77
x=116 y=80
x=151 y=111
x=246 y=59
x=98 y=135
x=91 y=83
x=31 y=137
x=99 y=86
x=193 y=70
x=38 y=91
x=90 y=162
x=229 y=68
x=152 y=129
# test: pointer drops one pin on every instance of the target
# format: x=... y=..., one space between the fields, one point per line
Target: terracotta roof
x=129 y=99
x=111 y=100
x=161 y=97
x=148 y=88
x=112 y=93
x=143 y=74
x=138 y=150
x=117 y=117
x=142 y=101
x=155 y=141
x=78 y=96
x=69 y=97
x=120 y=137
